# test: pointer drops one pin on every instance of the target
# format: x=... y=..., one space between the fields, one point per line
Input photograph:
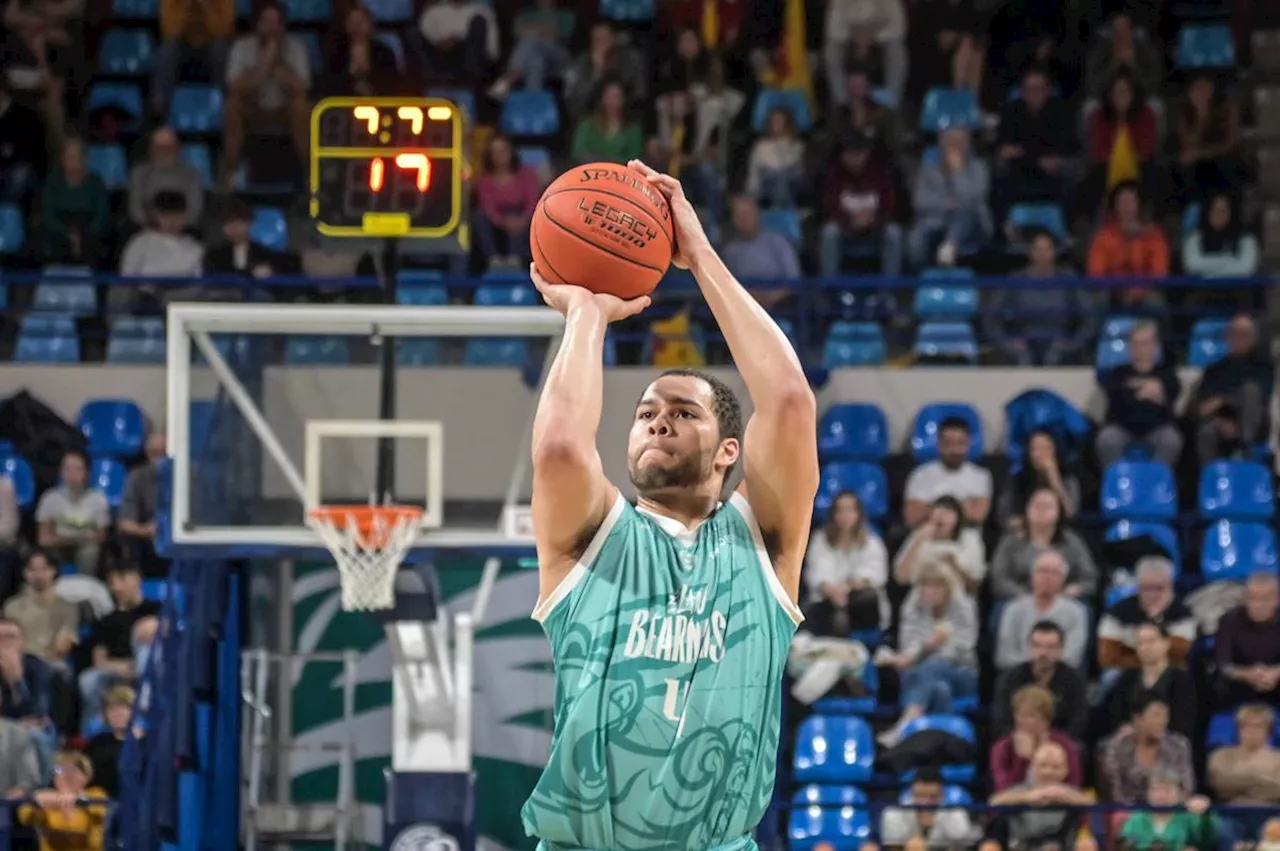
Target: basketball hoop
x=368 y=542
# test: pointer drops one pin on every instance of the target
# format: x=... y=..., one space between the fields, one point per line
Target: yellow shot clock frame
x=447 y=163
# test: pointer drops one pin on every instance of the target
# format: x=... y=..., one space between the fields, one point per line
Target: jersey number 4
x=673 y=705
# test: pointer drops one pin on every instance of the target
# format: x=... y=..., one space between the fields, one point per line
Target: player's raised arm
x=570 y=492
x=781 y=463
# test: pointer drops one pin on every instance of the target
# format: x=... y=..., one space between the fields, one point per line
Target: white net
x=368 y=545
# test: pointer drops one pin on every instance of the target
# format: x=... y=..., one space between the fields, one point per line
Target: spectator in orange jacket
x=1127 y=246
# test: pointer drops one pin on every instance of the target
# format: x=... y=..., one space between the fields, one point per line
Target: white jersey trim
x=544 y=607
x=780 y=594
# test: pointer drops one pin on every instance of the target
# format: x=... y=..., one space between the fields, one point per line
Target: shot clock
x=388 y=167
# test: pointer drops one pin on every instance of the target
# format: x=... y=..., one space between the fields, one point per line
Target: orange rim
x=366 y=519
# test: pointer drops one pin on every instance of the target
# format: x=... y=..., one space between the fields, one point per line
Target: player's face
x=675 y=438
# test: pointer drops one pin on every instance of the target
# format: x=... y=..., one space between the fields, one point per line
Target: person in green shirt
x=1193 y=827
x=607 y=135
x=75 y=210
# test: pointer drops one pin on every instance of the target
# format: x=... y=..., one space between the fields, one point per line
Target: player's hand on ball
x=564 y=297
x=690 y=237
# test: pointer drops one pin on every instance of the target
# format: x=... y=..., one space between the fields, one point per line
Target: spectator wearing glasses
x=1231 y=402
x=1047 y=601
x=1140 y=399
x=1156 y=603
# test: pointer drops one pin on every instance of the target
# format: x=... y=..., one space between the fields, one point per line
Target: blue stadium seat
x=952 y=796
x=1118 y=327
x=126 y=53
x=125 y=97
x=418 y=351
x=861 y=705
x=108 y=475
x=783 y=221
x=391 y=11
x=853 y=431
x=1161 y=533
x=156 y=590
x=13 y=230
x=1208 y=342
x=1232 y=551
x=142 y=10
x=496 y=351
x=833 y=817
x=793 y=101
x=529 y=112
x=610 y=349
x=924 y=432
x=4 y=301
x=136 y=340
x=464 y=99
x=866 y=480
x=431 y=295
x=1237 y=490
x=1205 y=46
x=627 y=10
x=311 y=42
x=833 y=750
x=854 y=344
x=954 y=725
x=945 y=108
x=946 y=340
x=317 y=350
x=507 y=295
x=1041 y=216
x=1139 y=490
x=270 y=227
x=196 y=109
x=946 y=302
x=198 y=157
x=1116 y=593
x=113 y=428
x=110 y=164
x=1111 y=353
x=1222 y=732
x=73 y=299
x=947 y=274
x=1191 y=218
x=48 y=338
x=535 y=156
x=308 y=11
x=19 y=472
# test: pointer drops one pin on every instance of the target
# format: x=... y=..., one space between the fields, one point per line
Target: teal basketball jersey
x=669 y=647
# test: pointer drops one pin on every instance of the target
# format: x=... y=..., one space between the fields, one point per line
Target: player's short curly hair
x=724 y=402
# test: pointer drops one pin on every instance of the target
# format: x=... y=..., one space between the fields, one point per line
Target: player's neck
x=688 y=506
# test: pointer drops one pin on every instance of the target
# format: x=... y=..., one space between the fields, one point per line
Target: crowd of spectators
x=76 y=628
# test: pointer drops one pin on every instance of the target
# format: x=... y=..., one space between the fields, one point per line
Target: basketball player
x=669 y=620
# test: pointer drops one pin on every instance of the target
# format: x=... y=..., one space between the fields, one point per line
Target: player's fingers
x=636 y=305
x=643 y=168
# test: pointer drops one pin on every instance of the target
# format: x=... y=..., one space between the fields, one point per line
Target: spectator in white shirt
x=887 y=20
x=459 y=39
x=775 y=169
x=945 y=539
x=937 y=827
x=1046 y=602
x=953 y=474
x=846 y=569
x=268 y=77
x=73 y=517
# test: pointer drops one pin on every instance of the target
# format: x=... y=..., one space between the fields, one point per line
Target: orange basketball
x=605 y=227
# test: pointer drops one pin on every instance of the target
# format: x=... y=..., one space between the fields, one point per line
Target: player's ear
x=727 y=454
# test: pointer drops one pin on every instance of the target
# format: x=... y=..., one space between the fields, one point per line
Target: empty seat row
x=857 y=431
x=841 y=749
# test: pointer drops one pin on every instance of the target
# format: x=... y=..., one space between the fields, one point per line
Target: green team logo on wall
x=511 y=709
